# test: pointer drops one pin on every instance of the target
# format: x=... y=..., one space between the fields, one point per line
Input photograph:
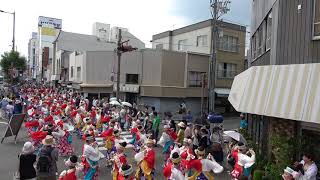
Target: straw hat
x=121 y=145
x=48 y=141
x=72 y=161
x=28 y=148
x=181 y=124
x=86 y=120
x=150 y=141
x=166 y=127
x=200 y=151
x=187 y=140
x=116 y=132
x=126 y=170
x=175 y=158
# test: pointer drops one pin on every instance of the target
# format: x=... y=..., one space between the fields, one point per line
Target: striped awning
x=284 y=91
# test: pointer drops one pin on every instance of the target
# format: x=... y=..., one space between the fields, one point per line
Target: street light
x=14 y=27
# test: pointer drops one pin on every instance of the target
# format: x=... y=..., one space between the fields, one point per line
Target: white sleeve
x=311 y=172
x=58 y=134
x=209 y=165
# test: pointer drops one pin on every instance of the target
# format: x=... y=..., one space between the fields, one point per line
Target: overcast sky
x=143 y=17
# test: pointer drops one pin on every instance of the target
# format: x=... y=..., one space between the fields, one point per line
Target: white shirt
x=208 y=165
x=246 y=161
x=310 y=173
x=91 y=153
x=10 y=108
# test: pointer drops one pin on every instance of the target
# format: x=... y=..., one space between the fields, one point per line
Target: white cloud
x=143 y=17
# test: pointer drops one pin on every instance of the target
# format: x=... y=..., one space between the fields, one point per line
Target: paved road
x=9 y=151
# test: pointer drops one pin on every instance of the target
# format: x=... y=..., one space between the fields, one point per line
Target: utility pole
x=218 y=8
x=121 y=49
x=13 y=29
x=119 y=64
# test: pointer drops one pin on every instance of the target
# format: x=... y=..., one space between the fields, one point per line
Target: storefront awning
x=284 y=91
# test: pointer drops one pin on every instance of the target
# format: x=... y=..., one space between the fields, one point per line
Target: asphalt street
x=9 y=152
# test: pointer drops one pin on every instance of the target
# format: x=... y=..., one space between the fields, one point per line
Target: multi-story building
x=48 y=30
x=197 y=38
x=158 y=78
x=67 y=43
x=282 y=99
x=33 y=56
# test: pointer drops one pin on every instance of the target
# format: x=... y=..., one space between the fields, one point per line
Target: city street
x=10 y=150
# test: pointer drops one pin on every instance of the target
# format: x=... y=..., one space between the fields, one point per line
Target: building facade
x=286 y=34
x=48 y=30
x=33 y=55
x=197 y=38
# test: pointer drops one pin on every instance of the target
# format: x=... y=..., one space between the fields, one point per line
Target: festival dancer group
x=63 y=114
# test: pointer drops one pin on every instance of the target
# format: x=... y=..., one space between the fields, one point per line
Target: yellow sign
x=48 y=31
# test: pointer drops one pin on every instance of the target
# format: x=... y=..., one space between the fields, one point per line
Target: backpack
x=45 y=161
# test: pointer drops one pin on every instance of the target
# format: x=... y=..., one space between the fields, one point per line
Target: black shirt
x=26 y=168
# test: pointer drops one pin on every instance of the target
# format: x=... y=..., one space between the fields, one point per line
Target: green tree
x=10 y=60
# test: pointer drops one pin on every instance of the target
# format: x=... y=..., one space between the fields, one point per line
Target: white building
x=101 y=30
x=33 y=55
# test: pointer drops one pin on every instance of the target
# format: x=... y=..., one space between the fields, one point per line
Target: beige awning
x=96 y=85
x=284 y=91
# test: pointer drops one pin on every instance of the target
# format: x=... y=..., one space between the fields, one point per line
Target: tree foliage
x=11 y=60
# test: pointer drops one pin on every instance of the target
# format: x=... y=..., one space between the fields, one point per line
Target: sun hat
x=28 y=148
x=48 y=141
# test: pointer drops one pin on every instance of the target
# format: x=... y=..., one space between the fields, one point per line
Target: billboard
x=49 y=22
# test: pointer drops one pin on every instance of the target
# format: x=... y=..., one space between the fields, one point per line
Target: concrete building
x=197 y=38
x=33 y=55
x=282 y=99
x=157 y=78
x=67 y=43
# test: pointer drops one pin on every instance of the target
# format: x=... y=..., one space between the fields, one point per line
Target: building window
x=182 y=45
x=159 y=46
x=316 y=25
x=195 y=79
x=227 y=70
x=78 y=72
x=202 y=40
x=132 y=78
x=269 y=31
x=229 y=43
x=71 y=72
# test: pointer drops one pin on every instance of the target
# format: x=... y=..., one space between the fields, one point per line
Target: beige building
x=197 y=38
x=157 y=78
